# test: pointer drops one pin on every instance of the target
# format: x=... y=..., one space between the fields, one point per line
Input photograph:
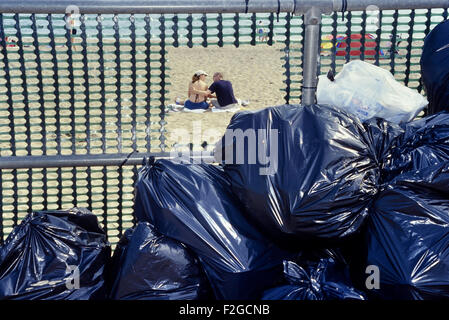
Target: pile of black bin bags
x=321 y=180
x=407 y=234
x=314 y=176
x=55 y=255
x=304 y=201
x=321 y=274
x=193 y=204
x=150 y=266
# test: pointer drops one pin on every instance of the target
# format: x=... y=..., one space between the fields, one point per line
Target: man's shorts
x=229 y=106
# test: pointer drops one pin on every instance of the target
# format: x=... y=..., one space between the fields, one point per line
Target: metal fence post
x=312 y=22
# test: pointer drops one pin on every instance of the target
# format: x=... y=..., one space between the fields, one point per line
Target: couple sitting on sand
x=221 y=90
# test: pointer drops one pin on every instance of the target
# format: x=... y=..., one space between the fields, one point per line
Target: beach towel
x=179 y=108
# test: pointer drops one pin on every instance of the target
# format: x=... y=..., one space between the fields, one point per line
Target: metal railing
x=212 y=6
x=76 y=124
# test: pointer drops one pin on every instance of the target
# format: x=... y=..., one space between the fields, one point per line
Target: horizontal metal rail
x=210 y=6
x=93 y=160
x=146 y=6
x=360 y=5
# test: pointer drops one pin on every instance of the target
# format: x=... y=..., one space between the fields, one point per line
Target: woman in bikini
x=197 y=92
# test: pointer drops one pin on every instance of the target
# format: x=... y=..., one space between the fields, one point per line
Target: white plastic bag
x=368 y=91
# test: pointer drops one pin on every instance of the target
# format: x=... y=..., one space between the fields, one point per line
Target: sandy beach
x=256 y=74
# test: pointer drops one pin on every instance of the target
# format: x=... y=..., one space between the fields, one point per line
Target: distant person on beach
x=10 y=42
x=220 y=90
x=224 y=93
x=197 y=92
x=71 y=22
x=261 y=31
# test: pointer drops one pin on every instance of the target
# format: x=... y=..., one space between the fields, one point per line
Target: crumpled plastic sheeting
x=192 y=203
x=435 y=68
x=424 y=143
x=149 y=266
x=326 y=278
x=38 y=257
x=325 y=173
x=369 y=91
x=408 y=236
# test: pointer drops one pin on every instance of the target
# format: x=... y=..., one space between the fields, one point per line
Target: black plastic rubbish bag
x=435 y=68
x=424 y=143
x=324 y=278
x=383 y=136
x=193 y=204
x=314 y=176
x=55 y=255
x=150 y=266
x=408 y=236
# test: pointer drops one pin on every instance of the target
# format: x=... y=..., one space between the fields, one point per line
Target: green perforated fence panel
x=105 y=92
